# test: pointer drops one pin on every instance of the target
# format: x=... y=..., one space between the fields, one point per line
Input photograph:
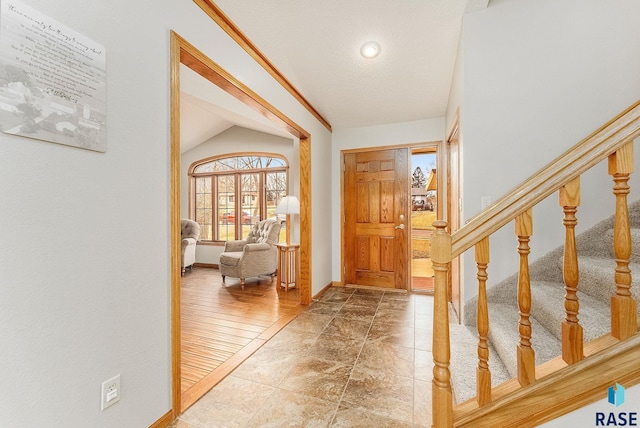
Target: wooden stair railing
x=483 y=374
x=572 y=334
x=613 y=141
x=561 y=388
x=623 y=306
x=526 y=355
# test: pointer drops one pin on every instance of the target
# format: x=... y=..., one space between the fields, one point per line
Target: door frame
x=454 y=291
x=183 y=52
x=438 y=145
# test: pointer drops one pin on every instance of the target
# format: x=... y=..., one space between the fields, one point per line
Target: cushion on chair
x=231 y=246
x=263 y=232
x=230 y=258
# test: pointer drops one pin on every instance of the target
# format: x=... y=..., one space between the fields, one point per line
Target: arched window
x=231 y=192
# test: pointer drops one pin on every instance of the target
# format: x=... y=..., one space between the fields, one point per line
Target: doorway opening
x=424 y=211
x=182 y=52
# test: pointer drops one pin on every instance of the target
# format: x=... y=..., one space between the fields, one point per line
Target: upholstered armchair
x=253 y=256
x=190 y=234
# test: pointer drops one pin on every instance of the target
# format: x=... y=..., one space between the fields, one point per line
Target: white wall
x=234 y=140
x=456 y=91
x=539 y=76
x=85 y=275
x=420 y=131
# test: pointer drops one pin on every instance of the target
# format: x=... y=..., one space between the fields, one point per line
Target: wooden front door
x=375 y=216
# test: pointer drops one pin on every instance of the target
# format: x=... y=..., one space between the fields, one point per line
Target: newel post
x=442 y=398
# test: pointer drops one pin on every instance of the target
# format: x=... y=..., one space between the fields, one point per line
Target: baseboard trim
x=164 y=421
x=207 y=265
x=323 y=291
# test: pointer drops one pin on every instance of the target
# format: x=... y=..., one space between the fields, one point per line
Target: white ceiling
x=315 y=44
x=206 y=110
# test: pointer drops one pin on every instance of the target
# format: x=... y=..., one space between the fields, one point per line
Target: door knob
x=400 y=226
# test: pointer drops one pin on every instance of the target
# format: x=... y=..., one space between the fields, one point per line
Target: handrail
x=563 y=390
x=587 y=153
x=613 y=141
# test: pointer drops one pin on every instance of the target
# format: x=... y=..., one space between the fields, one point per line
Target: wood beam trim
x=193 y=58
x=215 y=13
x=176 y=361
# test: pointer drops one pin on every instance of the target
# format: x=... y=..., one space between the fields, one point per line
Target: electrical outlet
x=110 y=392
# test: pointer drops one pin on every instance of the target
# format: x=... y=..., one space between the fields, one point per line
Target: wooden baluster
x=442 y=398
x=526 y=354
x=572 y=343
x=483 y=374
x=624 y=322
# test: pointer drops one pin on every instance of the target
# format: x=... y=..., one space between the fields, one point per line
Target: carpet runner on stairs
x=596 y=265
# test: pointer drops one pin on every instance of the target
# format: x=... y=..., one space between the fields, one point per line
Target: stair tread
x=597 y=277
x=597 y=285
x=548 y=308
x=464 y=360
x=503 y=333
x=635 y=237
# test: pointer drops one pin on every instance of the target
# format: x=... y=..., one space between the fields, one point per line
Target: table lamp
x=288 y=205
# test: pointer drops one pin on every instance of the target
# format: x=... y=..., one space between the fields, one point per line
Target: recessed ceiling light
x=370 y=50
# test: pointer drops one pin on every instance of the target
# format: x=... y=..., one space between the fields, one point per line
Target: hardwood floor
x=221 y=325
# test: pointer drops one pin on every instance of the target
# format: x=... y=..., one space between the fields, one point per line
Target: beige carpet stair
x=596 y=266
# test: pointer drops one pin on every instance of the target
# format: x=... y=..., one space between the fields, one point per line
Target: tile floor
x=357 y=357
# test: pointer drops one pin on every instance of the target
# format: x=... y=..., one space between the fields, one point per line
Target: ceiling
x=316 y=46
x=206 y=110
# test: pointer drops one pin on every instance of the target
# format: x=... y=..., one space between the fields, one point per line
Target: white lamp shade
x=288 y=205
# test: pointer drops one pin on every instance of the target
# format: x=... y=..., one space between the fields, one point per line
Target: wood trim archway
x=182 y=52
x=229 y=27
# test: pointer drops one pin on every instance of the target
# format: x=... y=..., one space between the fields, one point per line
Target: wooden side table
x=288 y=265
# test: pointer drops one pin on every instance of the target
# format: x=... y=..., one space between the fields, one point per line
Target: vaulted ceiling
x=316 y=44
